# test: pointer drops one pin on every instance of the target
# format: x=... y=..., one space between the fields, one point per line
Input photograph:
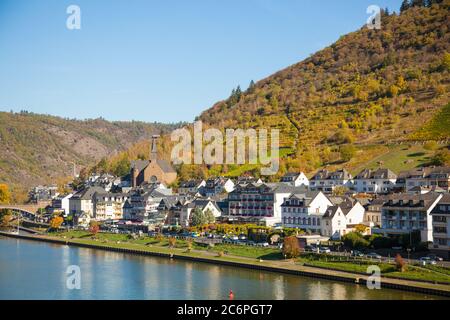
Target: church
x=153 y=170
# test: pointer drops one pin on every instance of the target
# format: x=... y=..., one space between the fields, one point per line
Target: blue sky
x=164 y=60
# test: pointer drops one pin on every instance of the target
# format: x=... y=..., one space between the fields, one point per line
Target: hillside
x=369 y=91
x=41 y=148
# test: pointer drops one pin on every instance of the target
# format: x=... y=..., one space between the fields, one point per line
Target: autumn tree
x=400 y=263
x=209 y=216
x=5 y=194
x=94 y=227
x=56 y=222
x=291 y=247
x=172 y=242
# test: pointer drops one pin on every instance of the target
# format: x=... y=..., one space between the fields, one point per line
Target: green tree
x=198 y=218
x=122 y=167
x=347 y=152
x=405 y=5
x=209 y=216
x=441 y=158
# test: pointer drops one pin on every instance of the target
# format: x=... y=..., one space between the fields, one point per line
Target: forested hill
x=370 y=89
x=41 y=148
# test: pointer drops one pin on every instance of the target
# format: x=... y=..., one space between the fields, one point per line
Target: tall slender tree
x=405 y=5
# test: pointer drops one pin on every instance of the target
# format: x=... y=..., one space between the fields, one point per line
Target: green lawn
x=250 y=251
x=387 y=270
x=400 y=158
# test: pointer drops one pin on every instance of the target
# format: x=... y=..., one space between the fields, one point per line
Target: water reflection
x=33 y=270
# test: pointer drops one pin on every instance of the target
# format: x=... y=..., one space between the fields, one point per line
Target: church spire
x=154 y=149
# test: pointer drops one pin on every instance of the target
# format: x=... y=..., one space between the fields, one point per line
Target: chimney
x=154 y=149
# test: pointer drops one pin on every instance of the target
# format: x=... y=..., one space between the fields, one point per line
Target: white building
x=375 y=181
x=259 y=203
x=295 y=179
x=305 y=210
x=341 y=219
x=83 y=201
x=327 y=181
x=405 y=213
x=216 y=186
x=61 y=204
x=441 y=227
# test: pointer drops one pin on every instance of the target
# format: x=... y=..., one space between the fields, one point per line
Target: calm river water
x=34 y=270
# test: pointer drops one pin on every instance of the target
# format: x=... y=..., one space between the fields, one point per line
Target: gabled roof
x=405 y=200
x=88 y=193
x=376 y=174
x=331 y=211
x=324 y=174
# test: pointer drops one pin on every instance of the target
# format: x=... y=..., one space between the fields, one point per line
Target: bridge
x=26 y=210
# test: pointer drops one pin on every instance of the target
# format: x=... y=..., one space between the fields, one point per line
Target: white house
x=441 y=227
x=305 y=210
x=83 y=201
x=259 y=202
x=375 y=181
x=295 y=179
x=82 y=219
x=61 y=203
x=215 y=186
x=342 y=218
x=405 y=213
x=327 y=181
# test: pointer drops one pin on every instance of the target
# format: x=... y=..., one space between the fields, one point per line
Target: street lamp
x=409 y=251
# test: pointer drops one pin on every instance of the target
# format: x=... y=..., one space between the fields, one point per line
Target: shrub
x=355 y=240
x=400 y=263
x=291 y=248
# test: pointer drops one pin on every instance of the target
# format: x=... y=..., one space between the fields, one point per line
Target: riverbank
x=284 y=266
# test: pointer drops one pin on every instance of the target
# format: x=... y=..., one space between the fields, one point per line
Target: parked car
x=427 y=260
x=435 y=257
x=251 y=243
x=263 y=244
x=356 y=253
x=373 y=255
x=324 y=250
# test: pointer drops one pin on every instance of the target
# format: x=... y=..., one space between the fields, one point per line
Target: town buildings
x=295 y=179
x=217 y=185
x=153 y=170
x=430 y=177
x=405 y=213
x=375 y=181
x=327 y=181
x=305 y=210
x=191 y=187
x=259 y=203
x=441 y=227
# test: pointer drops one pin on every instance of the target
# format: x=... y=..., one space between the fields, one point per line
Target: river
x=37 y=270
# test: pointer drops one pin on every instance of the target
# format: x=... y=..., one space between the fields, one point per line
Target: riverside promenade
x=282 y=266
